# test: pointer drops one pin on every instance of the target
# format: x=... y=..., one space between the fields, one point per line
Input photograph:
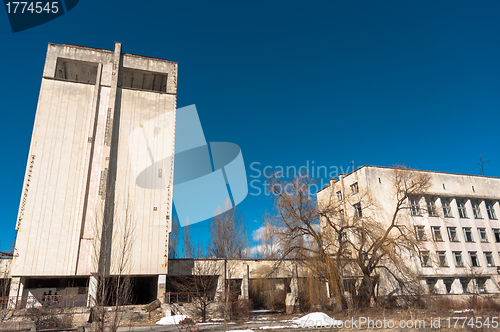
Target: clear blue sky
x=374 y=82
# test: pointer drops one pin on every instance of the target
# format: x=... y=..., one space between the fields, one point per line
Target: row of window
x=480 y=283
x=453 y=234
x=430 y=202
x=426 y=260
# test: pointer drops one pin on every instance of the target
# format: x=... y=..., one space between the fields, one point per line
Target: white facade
x=456 y=221
x=101 y=153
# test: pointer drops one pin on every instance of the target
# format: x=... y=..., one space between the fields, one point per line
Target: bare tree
x=174 y=239
x=187 y=248
x=295 y=222
x=228 y=233
x=111 y=265
x=199 y=288
x=349 y=243
x=379 y=242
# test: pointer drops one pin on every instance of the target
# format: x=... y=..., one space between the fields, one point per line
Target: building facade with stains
x=98 y=181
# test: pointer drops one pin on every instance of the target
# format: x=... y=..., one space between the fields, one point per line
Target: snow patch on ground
x=240 y=331
x=461 y=311
x=316 y=319
x=171 y=320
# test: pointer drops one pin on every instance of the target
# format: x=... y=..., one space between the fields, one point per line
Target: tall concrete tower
x=99 y=171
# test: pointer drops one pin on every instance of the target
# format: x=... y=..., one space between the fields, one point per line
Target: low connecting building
x=455 y=219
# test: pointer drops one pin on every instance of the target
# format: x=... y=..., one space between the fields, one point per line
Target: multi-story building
x=456 y=224
x=99 y=174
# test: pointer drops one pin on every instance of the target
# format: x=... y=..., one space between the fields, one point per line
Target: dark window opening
x=4 y=287
x=143 y=80
x=76 y=71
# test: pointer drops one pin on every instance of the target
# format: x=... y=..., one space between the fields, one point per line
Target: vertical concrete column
x=162 y=286
x=292 y=298
x=109 y=163
x=91 y=301
x=244 y=284
x=16 y=292
x=221 y=283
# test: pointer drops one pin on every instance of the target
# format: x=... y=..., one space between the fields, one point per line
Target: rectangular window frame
x=490 y=209
x=483 y=236
x=358 y=211
x=443 y=262
x=476 y=209
x=431 y=206
x=452 y=234
x=462 y=209
x=420 y=233
x=354 y=188
x=425 y=259
x=474 y=260
x=496 y=232
x=447 y=213
x=436 y=234
x=489 y=258
x=414 y=203
x=457 y=256
x=468 y=234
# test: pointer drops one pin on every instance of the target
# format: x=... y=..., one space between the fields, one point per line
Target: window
x=462 y=211
x=420 y=233
x=143 y=80
x=490 y=210
x=481 y=284
x=425 y=259
x=414 y=206
x=357 y=210
x=76 y=71
x=468 y=234
x=436 y=233
x=446 y=207
x=448 y=282
x=339 y=195
x=458 y=258
x=452 y=234
x=431 y=283
x=482 y=234
x=496 y=231
x=489 y=258
x=354 y=188
x=431 y=206
x=473 y=258
x=442 y=258
x=465 y=284
x=476 y=209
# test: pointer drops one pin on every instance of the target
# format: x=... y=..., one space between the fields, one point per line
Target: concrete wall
x=81 y=130
x=377 y=183
x=5 y=266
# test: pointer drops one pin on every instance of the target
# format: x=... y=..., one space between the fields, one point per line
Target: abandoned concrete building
x=455 y=222
x=100 y=164
x=100 y=172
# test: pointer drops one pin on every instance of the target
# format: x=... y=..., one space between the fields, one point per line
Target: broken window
x=468 y=234
x=76 y=71
x=452 y=234
x=414 y=206
x=458 y=258
x=436 y=233
x=143 y=80
x=446 y=207
x=476 y=209
x=462 y=211
x=473 y=258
